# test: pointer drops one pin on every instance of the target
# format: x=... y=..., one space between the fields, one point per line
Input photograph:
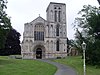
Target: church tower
x=56 y=17
x=46 y=38
x=56 y=12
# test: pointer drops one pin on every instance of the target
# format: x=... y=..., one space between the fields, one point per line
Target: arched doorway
x=38 y=53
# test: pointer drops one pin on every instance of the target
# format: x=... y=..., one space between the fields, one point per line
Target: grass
x=25 y=67
x=77 y=63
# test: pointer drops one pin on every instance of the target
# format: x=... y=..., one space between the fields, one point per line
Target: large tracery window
x=39 y=32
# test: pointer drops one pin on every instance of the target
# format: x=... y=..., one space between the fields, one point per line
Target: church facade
x=46 y=38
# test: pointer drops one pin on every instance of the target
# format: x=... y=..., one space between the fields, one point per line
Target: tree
x=89 y=22
x=5 y=24
x=12 y=45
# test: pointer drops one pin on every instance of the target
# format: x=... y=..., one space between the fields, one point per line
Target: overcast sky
x=23 y=11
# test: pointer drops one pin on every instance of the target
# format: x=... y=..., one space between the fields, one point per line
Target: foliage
x=25 y=67
x=67 y=43
x=89 y=24
x=93 y=53
x=5 y=24
x=77 y=63
x=12 y=45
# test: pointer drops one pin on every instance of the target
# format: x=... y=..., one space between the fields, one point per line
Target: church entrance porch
x=38 y=53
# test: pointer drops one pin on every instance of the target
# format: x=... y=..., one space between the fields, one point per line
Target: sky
x=23 y=11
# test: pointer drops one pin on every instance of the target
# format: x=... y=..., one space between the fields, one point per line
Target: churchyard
x=76 y=63
x=10 y=66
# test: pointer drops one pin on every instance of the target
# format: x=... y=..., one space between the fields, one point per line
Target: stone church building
x=46 y=38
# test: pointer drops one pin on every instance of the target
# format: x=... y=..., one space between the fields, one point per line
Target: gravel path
x=62 y=69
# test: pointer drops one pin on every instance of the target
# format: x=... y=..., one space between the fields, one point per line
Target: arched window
x=55 y=16
x=47 y=43
x=39 y=32
x=57 y=45
x=57 y=30
x=55 y=8
x=59 y=16
x=51 y=45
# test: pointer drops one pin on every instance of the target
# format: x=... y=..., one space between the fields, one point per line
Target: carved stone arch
x=42 y=51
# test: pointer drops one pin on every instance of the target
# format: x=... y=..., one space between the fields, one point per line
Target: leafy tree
x=68 y=43
x=12 y=45
x=89 y=24
x=5 y=24
x=79 y=39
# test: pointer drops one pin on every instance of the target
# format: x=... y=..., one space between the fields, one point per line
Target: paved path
x=62 y=69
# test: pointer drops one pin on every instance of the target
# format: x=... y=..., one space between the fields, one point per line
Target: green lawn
x=77 y=63
x=25 y=67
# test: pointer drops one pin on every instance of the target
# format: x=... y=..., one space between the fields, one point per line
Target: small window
x=59 y=8
x=55 y=8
